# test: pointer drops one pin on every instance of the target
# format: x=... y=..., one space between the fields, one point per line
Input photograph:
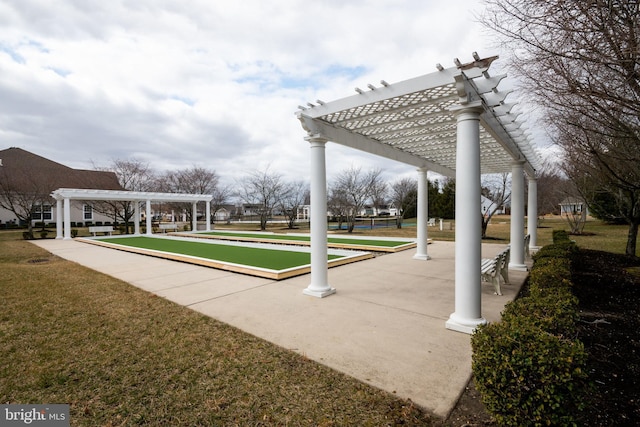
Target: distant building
x=573 y=206
x=489 y=205
x=32 y=178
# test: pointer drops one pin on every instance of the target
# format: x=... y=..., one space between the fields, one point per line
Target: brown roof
x=27 y=172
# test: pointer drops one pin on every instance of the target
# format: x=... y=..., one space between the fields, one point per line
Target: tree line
x=266 y=192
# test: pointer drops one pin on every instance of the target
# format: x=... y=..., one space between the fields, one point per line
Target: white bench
x=431 y=222
x=169 y=226
x=101 y=229
x=491 y=269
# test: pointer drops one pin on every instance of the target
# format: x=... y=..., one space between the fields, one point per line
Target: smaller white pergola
x=454 y=122
x=64 y=196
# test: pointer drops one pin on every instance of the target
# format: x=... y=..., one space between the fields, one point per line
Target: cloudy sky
x=211 y=83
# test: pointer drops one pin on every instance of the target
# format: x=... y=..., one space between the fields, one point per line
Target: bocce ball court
x=257 y=259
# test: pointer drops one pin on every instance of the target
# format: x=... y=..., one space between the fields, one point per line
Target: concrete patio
x=385 y=325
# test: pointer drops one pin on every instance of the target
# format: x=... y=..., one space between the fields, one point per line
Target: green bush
x=557 y=250
x=527 y=369
x=528 y=376
x=560 y=236
x=563 y=263
x=552 y=273
x=556 y=315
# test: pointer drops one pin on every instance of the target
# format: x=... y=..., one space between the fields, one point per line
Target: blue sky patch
x=12 y=53
x=272 y=78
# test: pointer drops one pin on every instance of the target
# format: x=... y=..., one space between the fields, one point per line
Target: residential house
x=573 y=206
x=30 y=179
x=488 y=205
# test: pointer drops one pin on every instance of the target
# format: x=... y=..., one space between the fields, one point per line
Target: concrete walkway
x=385 y=325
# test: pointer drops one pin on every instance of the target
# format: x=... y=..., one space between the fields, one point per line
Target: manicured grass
x=285 y=237
x=256 y=257
x=121 y=356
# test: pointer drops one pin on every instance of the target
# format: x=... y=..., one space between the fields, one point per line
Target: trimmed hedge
x=555 y=315
x=528 y=368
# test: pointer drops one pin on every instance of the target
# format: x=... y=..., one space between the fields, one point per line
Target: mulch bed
x=608 y=287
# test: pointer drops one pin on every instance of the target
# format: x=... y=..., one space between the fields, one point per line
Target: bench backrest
x=100 y=228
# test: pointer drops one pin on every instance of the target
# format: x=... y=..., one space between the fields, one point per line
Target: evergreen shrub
x=528 y=376
x=527 y=368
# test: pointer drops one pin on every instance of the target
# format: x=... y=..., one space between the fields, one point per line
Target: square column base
x=467 y=327
x=319 y=294
x=518 y=267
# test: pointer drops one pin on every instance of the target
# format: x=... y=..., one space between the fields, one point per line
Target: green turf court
x=265 y=261
x=371 y=244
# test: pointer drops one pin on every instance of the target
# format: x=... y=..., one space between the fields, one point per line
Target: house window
x=88 y=212
x=36 y=213
x=46 y=213
x=41 y=213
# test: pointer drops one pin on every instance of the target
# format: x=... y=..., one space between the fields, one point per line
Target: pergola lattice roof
x=413 y=122
x=118 y=195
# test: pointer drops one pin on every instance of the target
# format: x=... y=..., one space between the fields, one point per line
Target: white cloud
x=208 y=82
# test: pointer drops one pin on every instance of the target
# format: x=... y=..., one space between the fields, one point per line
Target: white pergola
x=454 y=122
x=64 y=196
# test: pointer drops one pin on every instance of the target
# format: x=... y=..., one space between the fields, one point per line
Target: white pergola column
x=319 y=286
x=208 y=215
x=468 y=305
x=532 y=214
x=194 y=216
x=148 y=218
x=423 y=213
x=58 y=219
x=136 y=217
x=67 y=219
x=516 y=261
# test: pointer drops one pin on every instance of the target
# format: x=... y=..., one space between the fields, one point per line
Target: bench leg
x=504 y=272
x=496 y=284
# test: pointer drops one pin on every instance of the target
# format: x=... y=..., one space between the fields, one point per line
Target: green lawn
x=330 y=239
x=272 y=259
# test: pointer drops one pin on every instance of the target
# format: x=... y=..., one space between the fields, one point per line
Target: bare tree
x=404 y=194
x=292 y=199
x=379 y=193
x=23 y=194
x=262 y=190
x=221 y=194
x=338 y=205
x=552 y=189
x=195 y=180
x=495 y=188
x=133 y=175
x=580 y=61
x=356 y=189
